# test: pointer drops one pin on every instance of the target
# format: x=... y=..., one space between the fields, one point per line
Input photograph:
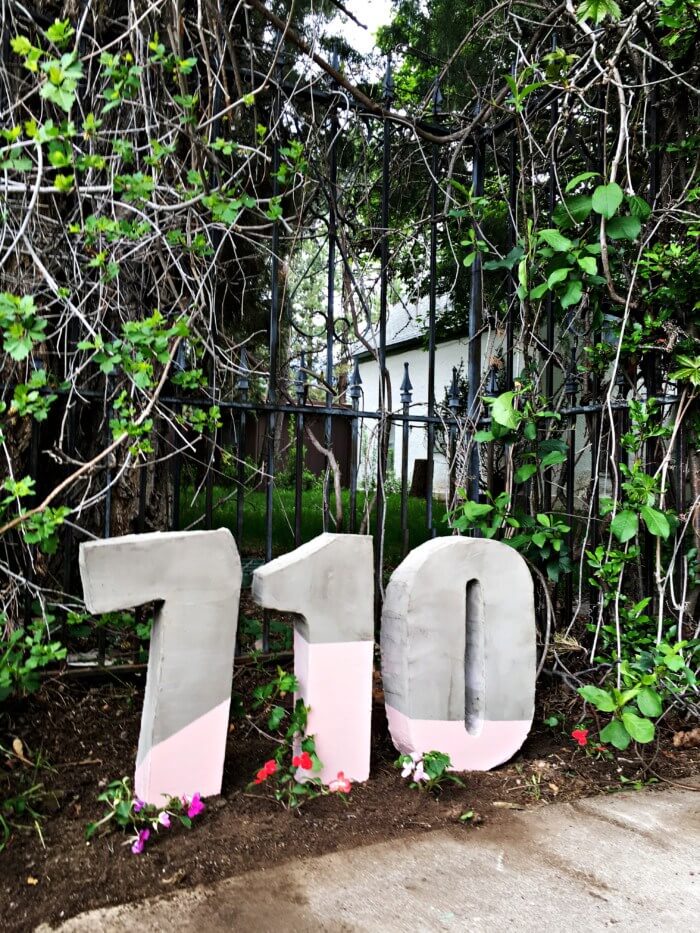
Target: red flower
x=581 y=736
x=270 y=767
x=304 y=761
x=261 y=776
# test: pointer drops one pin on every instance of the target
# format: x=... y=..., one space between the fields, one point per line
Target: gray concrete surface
x=628 y=862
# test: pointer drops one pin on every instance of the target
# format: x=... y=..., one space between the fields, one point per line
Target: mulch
x=86 y=734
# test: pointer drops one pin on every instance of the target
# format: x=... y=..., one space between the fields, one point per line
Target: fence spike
x=453 y=398
x=354 y=386
x=406 y=387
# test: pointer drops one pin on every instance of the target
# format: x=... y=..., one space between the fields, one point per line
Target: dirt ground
x=86 y=734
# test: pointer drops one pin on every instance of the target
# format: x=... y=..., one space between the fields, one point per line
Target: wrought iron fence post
x=384 y=423
x=330 y=296
x=475 y=314
x=570 y=388
x=354 y=391
x=299 y=449
x=242 y=386
x=406 y=396
x=432 y=310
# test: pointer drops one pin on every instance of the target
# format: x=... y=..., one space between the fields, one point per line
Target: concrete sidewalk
x=630 y=862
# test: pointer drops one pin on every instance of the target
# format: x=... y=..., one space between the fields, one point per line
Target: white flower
x=419 y=774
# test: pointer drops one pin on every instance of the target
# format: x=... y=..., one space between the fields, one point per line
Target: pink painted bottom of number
x=494 y=743
x=335 y=680
x=190 y=761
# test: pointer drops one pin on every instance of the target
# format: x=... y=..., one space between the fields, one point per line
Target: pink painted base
x=495 y=743
x=335 y=680
x=189 y=762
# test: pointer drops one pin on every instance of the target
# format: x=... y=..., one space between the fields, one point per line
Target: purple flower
x=195 y=806
x=164 y=819
x=138 y=805
x=140 y=841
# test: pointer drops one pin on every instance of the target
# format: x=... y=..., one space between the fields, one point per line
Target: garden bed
x=86 y=735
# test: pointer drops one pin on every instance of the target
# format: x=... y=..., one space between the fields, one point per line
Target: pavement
x=626 y=862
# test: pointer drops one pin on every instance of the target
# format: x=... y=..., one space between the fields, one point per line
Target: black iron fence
x=314 y=421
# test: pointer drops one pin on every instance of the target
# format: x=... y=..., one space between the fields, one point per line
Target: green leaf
x=616 y=734
x=624 y=228
x=642 y=730
x=556 y=240
x=597 y=10
x=589 y=264
x=502 y=410
x=625 y=525
x=597 y=697
x=576 y=208
x=584 y=176
x=656 y=522
x=572 y=294
x=649 y=702
x=524 y=472
x=552 y=459
x=607 y=199
x=558 y=276
x=639 y=207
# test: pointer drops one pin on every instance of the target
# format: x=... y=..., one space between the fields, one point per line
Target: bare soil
x=86 y=734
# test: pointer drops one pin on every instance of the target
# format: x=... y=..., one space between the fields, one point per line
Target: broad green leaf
x=572 y=294
x=558 y=276
x=584 y=176
x=576 y=208
x=624 y=228
x=502 y=410
x=597 y=10
x=639 y=207
x=607 y=199
x=597 y=697
x=641 y=730
x=539 y=291
x=625 y=525
x=656 y=522
x=616 y=734
x=552 y=458
x=556 y=240
x=588 y=264
x=649 y=702
x=524 y=472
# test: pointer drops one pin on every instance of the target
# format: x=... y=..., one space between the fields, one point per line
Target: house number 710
x=457 y=648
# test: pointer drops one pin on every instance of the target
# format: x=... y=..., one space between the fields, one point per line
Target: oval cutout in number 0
x=459 y=652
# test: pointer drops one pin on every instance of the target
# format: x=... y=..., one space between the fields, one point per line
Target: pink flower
x=195 y=806
x=340 y=785
x=140 y=841
x=138 y=805
x=164 y=819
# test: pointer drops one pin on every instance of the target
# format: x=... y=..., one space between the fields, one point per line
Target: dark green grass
x=253 y=542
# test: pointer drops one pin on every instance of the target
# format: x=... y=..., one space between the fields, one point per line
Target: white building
x=407 y=342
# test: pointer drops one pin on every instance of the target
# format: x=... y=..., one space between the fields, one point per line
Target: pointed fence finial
x=406 y=387
x=301 y=378
x=388 y=82
x=437 y=98
x=453 y=397
x=355 y=384
x=492 y=383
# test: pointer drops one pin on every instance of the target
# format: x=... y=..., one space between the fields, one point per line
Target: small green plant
x=23 y=653
x=640 y=700
x=427 y=770
x=140 y=819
